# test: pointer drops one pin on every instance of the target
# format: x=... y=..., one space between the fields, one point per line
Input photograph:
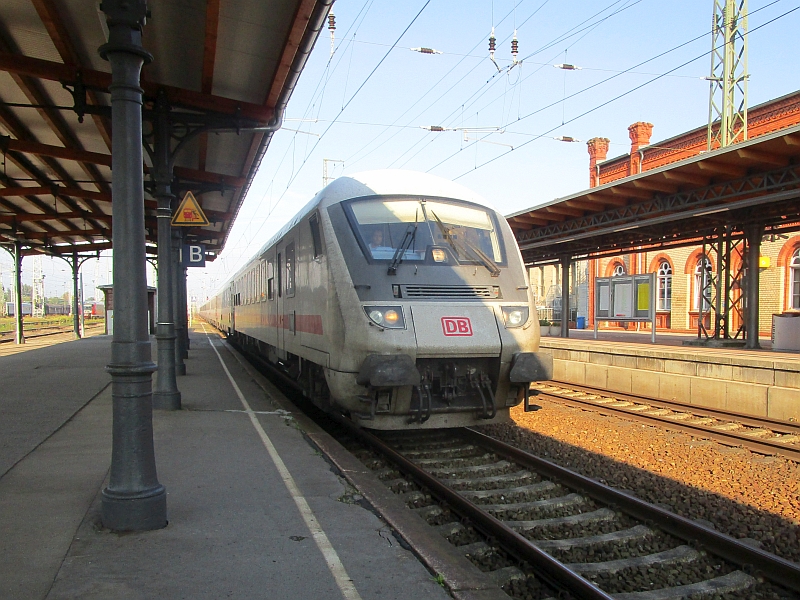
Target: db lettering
x=456 y=326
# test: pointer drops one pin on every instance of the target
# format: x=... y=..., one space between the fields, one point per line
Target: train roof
x=384 y=182
x=395 y=182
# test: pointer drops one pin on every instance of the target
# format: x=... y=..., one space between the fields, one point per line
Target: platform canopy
x=757 y=181
x=225 y=69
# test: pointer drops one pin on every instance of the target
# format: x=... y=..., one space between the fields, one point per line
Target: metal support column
x=753 y=233
x=166 y=395
x=18 y=321
x=175 y=264
x=720 y=319
x=183 y=309
x=134 y=499
x=76 y=306
x=565 y=262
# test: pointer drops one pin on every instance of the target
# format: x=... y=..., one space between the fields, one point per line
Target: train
x=397 y=298
x=90 y=309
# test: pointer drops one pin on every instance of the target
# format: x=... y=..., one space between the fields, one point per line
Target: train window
x=385 y=225
x=262 y=281
x=280 y=276
x=290 y=270
x=270 y=281
x=316 y=238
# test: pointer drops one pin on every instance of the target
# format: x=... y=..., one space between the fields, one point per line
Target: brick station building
x=679 y=270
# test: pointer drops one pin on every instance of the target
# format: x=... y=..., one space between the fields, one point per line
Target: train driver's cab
x=431 y=231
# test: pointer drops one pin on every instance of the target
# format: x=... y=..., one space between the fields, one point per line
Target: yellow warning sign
x=189 y=213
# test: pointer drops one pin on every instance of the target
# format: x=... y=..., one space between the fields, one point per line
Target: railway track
x=762 y=435
x=541 y=531
x=42 y=332
x=545 y=530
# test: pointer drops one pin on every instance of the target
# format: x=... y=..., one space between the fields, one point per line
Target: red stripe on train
x=302 y=323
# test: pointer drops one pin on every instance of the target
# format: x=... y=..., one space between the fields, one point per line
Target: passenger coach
x=396 y=297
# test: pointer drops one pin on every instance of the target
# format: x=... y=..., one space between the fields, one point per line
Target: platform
x=758 y=382
x=235 y=530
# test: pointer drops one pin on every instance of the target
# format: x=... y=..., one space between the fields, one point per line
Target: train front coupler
x=527 y=367
x=380 y=373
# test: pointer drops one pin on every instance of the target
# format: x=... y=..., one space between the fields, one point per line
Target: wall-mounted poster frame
x=629 y=298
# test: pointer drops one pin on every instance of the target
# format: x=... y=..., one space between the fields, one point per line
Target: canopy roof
x=226 y=68
x=757 y=181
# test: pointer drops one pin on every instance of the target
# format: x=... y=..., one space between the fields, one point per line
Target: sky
x=364 y=107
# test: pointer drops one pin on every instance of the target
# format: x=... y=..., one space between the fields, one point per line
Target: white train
x=396 y=297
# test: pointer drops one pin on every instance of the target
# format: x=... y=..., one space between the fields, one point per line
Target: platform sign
x=630 y=298
x=193 y=255
x=189 y=213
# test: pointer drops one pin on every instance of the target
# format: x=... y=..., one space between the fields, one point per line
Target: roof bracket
x=78 y=92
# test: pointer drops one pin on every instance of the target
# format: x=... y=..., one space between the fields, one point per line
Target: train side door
x=232 y=307
x=279 y=300
x=286 y=288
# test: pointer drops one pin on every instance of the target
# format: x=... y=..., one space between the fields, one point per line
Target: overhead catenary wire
x=424 y=95
x=477 y=94
x=614 y=99
x=588 y=88
x=530 y=62
x=344 y=107
x=473 y=96
x=322 y=82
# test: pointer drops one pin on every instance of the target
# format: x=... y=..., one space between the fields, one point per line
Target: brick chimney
x=639 y=133
x=598 y=150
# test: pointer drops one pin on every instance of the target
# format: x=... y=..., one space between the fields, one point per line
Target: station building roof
x=673 y=203
x=230 y=64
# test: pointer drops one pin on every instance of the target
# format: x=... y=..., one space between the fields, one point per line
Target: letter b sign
x=193 y=255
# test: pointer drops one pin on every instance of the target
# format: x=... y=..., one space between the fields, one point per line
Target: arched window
x=702 y=284
x=619 y=269
x=664 y=277
x=794 y=273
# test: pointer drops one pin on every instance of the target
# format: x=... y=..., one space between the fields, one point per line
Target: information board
x=629 y=298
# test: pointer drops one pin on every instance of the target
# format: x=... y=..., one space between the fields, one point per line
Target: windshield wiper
x=408 y=239
x=467 y=248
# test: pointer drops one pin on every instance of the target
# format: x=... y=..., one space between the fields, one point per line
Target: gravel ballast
x=743 y=494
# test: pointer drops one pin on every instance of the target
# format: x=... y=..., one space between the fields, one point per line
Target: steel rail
x=552 y=571
x=31 y=334
x=774 y=568
x=724 y=437
x=786 y=427
x=555 y=573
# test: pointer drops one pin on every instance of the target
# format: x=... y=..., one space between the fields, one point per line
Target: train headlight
x=390 y=317
x=515 y=316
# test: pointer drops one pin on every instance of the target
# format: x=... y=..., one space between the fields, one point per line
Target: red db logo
x=456 y=326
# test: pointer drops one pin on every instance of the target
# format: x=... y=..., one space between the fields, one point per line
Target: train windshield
x=414 y=229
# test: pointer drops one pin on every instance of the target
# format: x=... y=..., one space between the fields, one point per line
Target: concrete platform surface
x=235 y=528
x=763 y=382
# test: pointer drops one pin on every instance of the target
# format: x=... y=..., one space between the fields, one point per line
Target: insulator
x=567 y=67
x=514 y=46
x=492 y=42
x=332 y=22
x=426 y=50
x=567 y=138
x=436 y=128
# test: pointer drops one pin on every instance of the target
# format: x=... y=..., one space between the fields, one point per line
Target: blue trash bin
x=581 y=323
